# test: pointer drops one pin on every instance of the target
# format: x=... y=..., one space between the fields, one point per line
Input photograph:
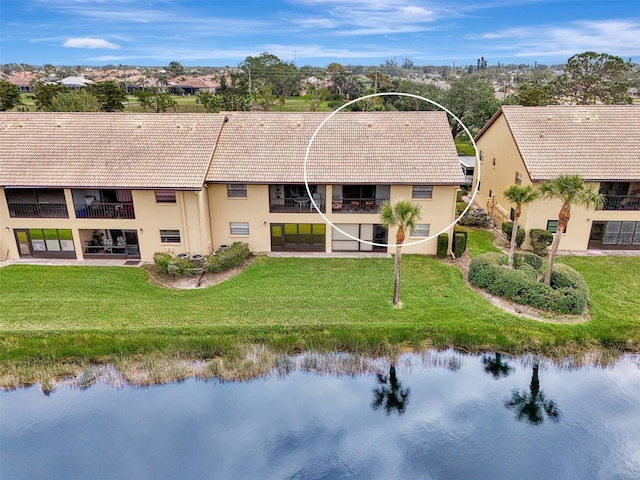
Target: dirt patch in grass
x=188 y=282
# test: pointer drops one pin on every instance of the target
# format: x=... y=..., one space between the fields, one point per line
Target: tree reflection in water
x=389 y=394
x=496 y=367
x=532 y=406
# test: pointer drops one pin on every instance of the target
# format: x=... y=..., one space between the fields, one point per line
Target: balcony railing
x=105 y=210
x=357 y=205
x=38 y=210
x=294 y=205
x=621 y=202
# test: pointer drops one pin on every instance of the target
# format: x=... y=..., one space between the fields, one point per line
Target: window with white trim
x=239 y=228
x=170 y=236
x=236 y=190
x=422 y=191
x=420 y=230
x=165 y=196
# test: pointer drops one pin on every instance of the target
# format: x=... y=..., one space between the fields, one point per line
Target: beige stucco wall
x=254 y=209
x=498 y=143
x=150 y=218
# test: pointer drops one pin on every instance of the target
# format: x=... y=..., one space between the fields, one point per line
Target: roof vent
x=58 y=125
x=138 y=126
x=299 y=124
x=261 y=124
x=369 y=124
x=178 y=126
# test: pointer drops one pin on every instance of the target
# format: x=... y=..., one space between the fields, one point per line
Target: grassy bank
x=57 y=321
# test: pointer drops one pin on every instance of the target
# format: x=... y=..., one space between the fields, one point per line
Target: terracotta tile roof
x=380 y=147
x=598 y=142
x=118 y=150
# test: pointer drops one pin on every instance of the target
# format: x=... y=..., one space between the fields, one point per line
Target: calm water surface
x=440 y=415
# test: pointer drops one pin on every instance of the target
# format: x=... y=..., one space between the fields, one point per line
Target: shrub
x=527 y=258
x=485 y=268
x=571 y=300
x=459 y=243
x=475 y=218
x=459 y=194
x=181 y=266
x=507 y=229
x=460 y=206
x=162 y=259
x=529 y=270
x=509 y=283
x=223 y=260
x=540 y=240
x=568 y=292
x=443 y=245
x=565 y=276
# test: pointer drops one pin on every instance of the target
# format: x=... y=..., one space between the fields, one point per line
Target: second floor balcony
x=103 y=204
x=359 y=198
x=36 y=203
x=621 y=195
x=621 y=202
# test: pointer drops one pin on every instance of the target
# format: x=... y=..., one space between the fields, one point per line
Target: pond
x=434 y=415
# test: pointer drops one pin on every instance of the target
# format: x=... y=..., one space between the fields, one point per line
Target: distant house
x=468 y=167
x=23 y=80
x=191 y=86
x=601 y=143
x=75 y=82
x=116 y=185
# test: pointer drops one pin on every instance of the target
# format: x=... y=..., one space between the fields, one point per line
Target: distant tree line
x=264 y=81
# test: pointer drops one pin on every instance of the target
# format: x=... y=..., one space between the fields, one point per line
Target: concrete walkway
x=134 y=263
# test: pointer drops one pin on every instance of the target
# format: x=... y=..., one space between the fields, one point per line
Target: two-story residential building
x=601 y=143
x=356 y=162
x=99 y=185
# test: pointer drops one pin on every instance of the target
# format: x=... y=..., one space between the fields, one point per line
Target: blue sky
x=314 y=32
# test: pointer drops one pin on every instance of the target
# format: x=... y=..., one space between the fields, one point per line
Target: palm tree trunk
x=396 y=283
x=512 y=245
x=563 y=219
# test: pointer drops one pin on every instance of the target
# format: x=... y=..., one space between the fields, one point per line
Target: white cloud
x=88 y=42
x=617 y=37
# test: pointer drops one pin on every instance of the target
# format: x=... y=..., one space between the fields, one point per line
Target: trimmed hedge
x=222 y=260
x=507 y=229
x=459 y=243
x=475 y=218
x=527 y=258
x=540 y=240
x=175 y=266
x=568 y=292
x=443 y=245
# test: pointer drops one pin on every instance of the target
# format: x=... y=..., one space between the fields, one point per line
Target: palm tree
x=532 y=405
x=518 y=195
x=403 y=215
x=572 y=190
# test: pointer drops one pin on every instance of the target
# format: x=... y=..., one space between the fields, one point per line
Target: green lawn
x=61 y=314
